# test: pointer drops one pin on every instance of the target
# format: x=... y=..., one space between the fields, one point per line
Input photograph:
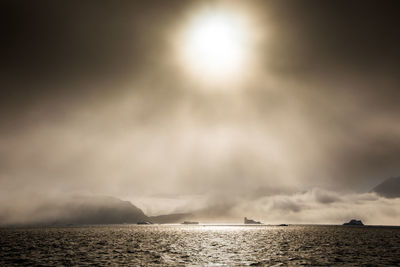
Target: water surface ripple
x=193 y=245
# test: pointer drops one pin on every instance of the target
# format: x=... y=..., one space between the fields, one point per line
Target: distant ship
x=250 y=221
x=187 y=222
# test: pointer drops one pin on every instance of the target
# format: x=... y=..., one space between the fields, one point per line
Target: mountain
x=78 y=209
x=389 y=188
x=94 y=210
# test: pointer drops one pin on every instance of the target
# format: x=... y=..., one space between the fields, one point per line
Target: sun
x=215 y=45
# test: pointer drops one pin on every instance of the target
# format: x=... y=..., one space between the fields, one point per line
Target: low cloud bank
x=70 y=209
x=319 y=206
x=314 y=206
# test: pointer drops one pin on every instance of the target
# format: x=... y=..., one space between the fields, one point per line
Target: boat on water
x=188 y=222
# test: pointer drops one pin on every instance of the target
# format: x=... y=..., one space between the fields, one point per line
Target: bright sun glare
x=215 y=45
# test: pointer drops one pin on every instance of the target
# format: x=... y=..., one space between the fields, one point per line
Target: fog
x=100 y=106
x=321 y=207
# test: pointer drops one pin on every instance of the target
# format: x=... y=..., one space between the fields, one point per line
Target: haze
x=96 y=99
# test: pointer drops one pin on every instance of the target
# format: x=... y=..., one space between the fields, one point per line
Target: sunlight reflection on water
x=193 y=245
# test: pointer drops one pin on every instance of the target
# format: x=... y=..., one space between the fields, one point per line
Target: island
x=250 y=221
x=354 y=222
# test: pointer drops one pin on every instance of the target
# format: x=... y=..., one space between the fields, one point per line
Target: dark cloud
x=348 y=36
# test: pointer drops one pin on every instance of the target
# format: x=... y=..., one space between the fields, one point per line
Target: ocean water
x=199 y=245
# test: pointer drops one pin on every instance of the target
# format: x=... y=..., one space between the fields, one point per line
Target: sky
x=109 y=98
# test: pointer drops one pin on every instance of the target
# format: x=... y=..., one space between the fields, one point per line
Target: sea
x=200 y=245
